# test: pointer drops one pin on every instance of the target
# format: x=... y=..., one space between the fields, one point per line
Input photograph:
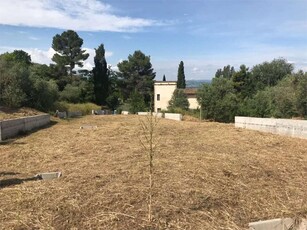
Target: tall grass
x=85 y=108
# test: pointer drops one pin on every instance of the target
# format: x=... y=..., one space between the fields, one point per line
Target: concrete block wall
x=98 y=112
x=293 y=128
x=10 y=128
x=102 y=112
x=13 y=127
x=74 y=113
x=143 y=113
x=62 y=114
x=36 y=121
x=173 y=116
x=278 y=224
x=160 y=115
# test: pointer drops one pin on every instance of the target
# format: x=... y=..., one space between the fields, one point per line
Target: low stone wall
x=61 y=115
x=143 y=113
x=173 y=116
x=102 y=112
x=293 y=128
x=278 y=224
x=160 y=115
x=74 y=113
x=13 y=127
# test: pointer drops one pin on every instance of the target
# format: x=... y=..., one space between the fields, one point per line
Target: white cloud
x=197 y=70
x=92 y=53
x=34 y=38
x=205 y=66
x=41 y=56
x=114 y=68
x=81 y=15
x=86 y=65
x=37 y=55
x=45 y=56
x=127 y=37
x=89 y=63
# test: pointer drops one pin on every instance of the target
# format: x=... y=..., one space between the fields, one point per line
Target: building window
x=158 y=97
x=158 y=110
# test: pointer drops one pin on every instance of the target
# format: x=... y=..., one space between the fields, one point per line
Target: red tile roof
x=190 y=91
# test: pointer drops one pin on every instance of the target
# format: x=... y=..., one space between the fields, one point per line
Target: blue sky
x=204 y=34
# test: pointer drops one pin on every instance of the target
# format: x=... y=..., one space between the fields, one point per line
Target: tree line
x=269 y=89
x=24 y=83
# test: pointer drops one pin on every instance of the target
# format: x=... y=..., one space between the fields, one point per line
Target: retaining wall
x=61 y=114
x=173 y=116
x=160 y=115
x=278 y=224
x=102 y=112
x=143 y=113
x=293 y=128
x=13 y=127
x=74 y=113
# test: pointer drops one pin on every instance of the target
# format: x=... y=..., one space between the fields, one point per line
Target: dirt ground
x=206 y=176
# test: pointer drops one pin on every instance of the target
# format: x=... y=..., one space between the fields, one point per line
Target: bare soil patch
x=207 y=176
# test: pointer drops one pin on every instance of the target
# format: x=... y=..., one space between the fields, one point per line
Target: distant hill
x=196 y=83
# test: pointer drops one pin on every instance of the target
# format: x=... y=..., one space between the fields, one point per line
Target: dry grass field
x=206 y=176
x=10 y=113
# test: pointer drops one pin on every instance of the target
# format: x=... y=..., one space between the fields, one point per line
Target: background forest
x=269 y=89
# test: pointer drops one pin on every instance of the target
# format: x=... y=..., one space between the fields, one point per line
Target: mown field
x=10 y=113
x=206 y=176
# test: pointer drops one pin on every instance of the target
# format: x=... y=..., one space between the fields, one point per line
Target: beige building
x=191 y=95
x=163 y=91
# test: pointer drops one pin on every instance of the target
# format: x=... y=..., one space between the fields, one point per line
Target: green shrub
x=218 y=100
x=71 y=94
x=13 y=96
x=44 y=94
x=179 y=100
x=136 y=103
x=85 y=108
x=123 y=107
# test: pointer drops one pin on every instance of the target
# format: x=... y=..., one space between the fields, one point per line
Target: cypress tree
x=181 y=77
x=100 y=75
x=164 y=79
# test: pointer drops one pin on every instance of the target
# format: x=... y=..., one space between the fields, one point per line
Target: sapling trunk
x=148 y=128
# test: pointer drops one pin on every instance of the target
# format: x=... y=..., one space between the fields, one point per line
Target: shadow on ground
x=15 y=181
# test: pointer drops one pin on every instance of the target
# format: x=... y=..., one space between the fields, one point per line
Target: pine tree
x=164 y=79
x=137 y=73
x=100 y=75
x=181 y=77
x=68 y=48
